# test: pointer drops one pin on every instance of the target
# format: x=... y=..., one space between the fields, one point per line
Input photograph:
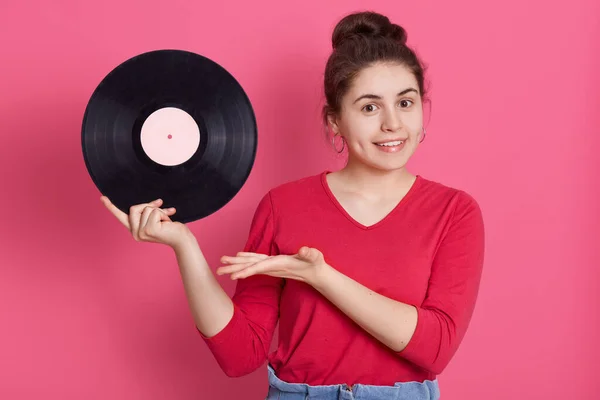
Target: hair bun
x=369 y=25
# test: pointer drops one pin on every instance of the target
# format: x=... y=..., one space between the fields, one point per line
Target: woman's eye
x=369 y=108
x=405 y=103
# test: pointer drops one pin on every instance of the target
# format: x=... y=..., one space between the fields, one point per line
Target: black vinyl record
x=169 y=124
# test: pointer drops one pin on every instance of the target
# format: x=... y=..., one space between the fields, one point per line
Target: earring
x=423 y=137
x=334 y=146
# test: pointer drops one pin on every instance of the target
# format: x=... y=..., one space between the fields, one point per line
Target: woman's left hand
x=305 y=266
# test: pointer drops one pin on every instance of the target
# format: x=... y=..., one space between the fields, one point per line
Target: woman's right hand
x=147 y=222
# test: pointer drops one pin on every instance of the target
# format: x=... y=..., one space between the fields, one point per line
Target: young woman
x=372 y=272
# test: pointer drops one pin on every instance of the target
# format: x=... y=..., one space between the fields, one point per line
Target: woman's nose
x=391 y=121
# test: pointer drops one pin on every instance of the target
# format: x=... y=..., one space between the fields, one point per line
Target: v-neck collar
x=345 y=213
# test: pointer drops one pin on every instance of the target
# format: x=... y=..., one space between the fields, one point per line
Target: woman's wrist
x=186 y=241
x=322 y=274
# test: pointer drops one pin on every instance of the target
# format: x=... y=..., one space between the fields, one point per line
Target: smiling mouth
x=390 y=143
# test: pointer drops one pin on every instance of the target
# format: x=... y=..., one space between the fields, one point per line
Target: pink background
x=86 y=312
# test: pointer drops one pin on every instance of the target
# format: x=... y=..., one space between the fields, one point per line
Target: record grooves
x=169 y=124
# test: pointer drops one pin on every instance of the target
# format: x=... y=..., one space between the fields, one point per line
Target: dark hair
x=360 y=40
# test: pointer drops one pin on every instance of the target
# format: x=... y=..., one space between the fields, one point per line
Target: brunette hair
x=360 y=40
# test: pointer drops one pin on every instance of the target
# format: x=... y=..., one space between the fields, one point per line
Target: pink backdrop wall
x=86 y=312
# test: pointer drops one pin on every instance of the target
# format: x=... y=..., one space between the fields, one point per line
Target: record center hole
x=170 y=136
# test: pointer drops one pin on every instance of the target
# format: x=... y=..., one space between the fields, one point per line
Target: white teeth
x=390 y=144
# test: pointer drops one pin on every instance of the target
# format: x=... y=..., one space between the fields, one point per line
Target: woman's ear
x=332 y=120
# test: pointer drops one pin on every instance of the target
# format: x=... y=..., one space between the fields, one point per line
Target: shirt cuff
x=225 y=335
x=413 y=349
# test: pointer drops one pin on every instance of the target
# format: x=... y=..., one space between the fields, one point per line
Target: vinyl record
x=169 y=124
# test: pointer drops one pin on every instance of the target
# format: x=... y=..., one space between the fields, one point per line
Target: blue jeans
x=279 y=389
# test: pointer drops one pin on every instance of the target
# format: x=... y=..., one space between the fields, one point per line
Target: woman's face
x=381 y=117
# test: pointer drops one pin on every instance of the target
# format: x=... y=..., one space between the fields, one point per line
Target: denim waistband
x=279 y=389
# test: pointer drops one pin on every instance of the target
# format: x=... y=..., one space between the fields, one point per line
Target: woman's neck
x=358 y=177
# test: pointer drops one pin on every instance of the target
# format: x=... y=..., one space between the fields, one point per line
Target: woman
x=372 y=272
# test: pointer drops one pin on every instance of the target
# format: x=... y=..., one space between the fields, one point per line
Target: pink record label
x=170 y=136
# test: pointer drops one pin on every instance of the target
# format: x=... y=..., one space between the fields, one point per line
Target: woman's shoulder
x=298 y=187
x=446 y=194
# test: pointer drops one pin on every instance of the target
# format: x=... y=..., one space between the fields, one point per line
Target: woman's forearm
x=391 y=322
x=210 y=305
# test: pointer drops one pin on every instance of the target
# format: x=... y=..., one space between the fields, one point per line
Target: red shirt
x=427 y=252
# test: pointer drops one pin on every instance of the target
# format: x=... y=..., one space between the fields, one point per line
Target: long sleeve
x=243 y=344
x=445 y=313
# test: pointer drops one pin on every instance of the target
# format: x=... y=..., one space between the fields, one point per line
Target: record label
x=170 y=136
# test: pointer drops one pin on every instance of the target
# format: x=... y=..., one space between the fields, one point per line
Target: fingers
x=139 y=215
x=121 y=216
x=263 y=267
x=247 y=254
x=243 y=255
x=309 y=254
x=150 y=221
x=135 y=213
x=230 y=269
x=250 y=258
x=140 y=234
x=304 y=252
x=243 y=261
